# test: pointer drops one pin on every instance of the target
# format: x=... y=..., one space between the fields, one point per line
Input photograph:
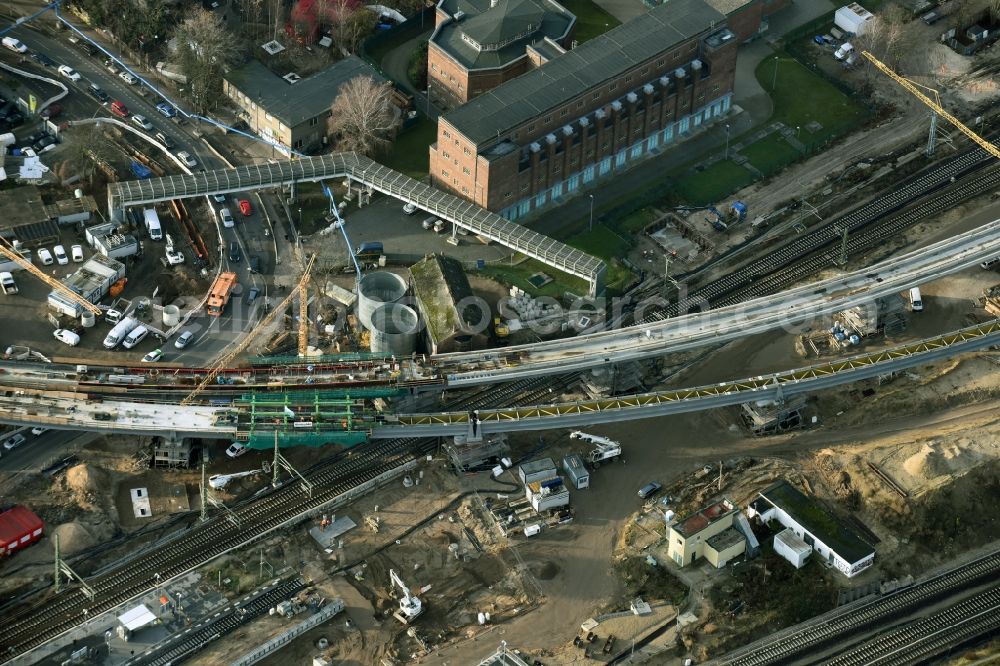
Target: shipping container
x=535 y=470
x=19 y=528
x=576 y=471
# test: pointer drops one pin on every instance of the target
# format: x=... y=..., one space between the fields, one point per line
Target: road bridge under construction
x=477 y=220
x=344 y=419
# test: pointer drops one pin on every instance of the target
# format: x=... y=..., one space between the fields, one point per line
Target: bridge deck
x=465 y=214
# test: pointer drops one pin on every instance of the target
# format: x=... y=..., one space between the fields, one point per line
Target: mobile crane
x=605 y=449
x=410 y=606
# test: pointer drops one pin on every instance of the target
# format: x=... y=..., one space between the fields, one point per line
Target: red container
x=19 y=528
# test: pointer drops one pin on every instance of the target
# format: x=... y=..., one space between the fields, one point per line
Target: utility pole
x=932 y=135
x=58 y=580
x=204 y=491
x=720 y=476
x=843 y=231
x=274 y=478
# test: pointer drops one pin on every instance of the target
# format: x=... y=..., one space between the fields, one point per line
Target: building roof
x=296 y=103
x=727 y=538
x=818 y=520
x=702 y=518
x=568 y=76
x=792 y=541
x=136 y=618
x=514 y=24
x=503 y=657
x=727 y=7
x=440 y=284
x=16 y=522
x=540 y=465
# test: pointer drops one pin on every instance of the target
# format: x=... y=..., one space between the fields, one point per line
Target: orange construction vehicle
x=219 y=296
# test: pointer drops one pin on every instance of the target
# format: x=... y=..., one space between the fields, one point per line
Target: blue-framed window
x=637 y=150
x=653 y=141
x=524 y=207
x=668 y=133
x=541 y=198
x=684 y=125
x=573 y=182
x=620 y=158
x=605 y=165
x=588 y=174
x=557 y=190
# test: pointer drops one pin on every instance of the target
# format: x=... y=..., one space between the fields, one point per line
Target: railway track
x=525 y=391
x=31 y=624
x=180 y=647
x=759 y=278
x=922 y=639
x=802 y=641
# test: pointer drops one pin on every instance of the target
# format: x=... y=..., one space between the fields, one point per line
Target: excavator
x=410 y=606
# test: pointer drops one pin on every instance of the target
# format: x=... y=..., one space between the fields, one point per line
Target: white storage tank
x=171 y=315
x=376 y=289
x=87 y=319
x=394 y=329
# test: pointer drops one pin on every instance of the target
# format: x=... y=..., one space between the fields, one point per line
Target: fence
x=283 y=639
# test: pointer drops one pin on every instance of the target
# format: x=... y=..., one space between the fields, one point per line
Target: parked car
x=51 y=111
x=128 y=78
x=166 y=109
x=14 y=45
x=174 y=258
x=164 y=139
x=932 y=17
x=69 y=73
x=88 y=48
x=111 y=66
x=77 y=253
x=226 y=217
x=14 y=442
x=45 y=256
x=60 y=253
x=66 y=336
x=184 y=339
x=97 y=92
x=252 y=295
x=245 y=207
x=185 y=157
x=219 y=198
x=44 y=143
x=153 y=356
x=253 y=261
x=38 y=430
x=119 y=109
x=409 y=209
x=235 y=450
x=428 y=222
x=234 y=251
x=42 y=59
x=649 y=490
x=142 y=122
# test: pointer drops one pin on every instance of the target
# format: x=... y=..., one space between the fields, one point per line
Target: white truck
x=605 y=449
x=120 y=332
x=7 y=283
x=152 y=221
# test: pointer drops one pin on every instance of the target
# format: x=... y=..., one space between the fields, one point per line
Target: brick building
x=590 y=112
x=747 y=18
x=479 y=44
x=289 y=111
x=710 y=532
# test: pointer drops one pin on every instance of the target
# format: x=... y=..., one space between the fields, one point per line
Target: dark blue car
x=166 y=109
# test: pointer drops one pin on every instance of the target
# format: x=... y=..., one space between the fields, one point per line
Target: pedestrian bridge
x=465 y=214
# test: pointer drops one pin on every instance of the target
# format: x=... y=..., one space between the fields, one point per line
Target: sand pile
x=86 y=483
x=73 y=538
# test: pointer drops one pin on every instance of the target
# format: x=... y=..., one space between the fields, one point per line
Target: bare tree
x=206 y=49
x=362 y=117
x=994 y=7
x=348 y=23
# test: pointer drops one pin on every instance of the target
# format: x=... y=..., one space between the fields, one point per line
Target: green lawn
x=409 y=153
x=802 y=96
x=713 y=184
x=602 y=242
x=518 y=274
x=771 y=154
x=634 y=223
x=591 y=19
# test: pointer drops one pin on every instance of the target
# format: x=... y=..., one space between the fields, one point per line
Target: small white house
x=791 y=547
x=830 y=538
x=853 y=19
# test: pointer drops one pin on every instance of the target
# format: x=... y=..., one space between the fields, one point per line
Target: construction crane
x=604 y=448
x=249 y=337
x=409 y=606
x=303 y=319
x=16 y=257
x=934 y=106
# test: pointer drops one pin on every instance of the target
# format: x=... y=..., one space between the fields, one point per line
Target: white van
x=152 y=224
x=14 y=45
x=137 y=335
x=916 y=304
x=120 y=330
x=7 y=283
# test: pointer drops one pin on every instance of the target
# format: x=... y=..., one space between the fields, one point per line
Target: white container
x=171 y=315
x=532 y=530
x=87 y=319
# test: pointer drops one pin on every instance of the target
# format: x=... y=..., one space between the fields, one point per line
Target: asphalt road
x=35 y=454
x=252 y=234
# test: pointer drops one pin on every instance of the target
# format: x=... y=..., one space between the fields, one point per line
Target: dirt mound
x=73 y=538
x=85 y=482
x=934 y=460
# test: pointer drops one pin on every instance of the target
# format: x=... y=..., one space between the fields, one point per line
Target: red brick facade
x=452 y=85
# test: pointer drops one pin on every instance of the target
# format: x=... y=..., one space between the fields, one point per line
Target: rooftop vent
x=459 y=15
x=292 y=78
x=272 y=47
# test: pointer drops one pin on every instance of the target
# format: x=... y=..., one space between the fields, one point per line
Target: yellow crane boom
x=16 y=257
x=303 y=319
x=250 y=336
x=937 y=108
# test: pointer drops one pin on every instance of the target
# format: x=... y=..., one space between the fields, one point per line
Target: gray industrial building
x=92 y=281
x=576 y=471
x=536 y=470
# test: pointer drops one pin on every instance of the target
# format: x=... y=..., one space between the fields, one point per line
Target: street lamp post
x=591 y=212
x=727 y=141
x=774 y=81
